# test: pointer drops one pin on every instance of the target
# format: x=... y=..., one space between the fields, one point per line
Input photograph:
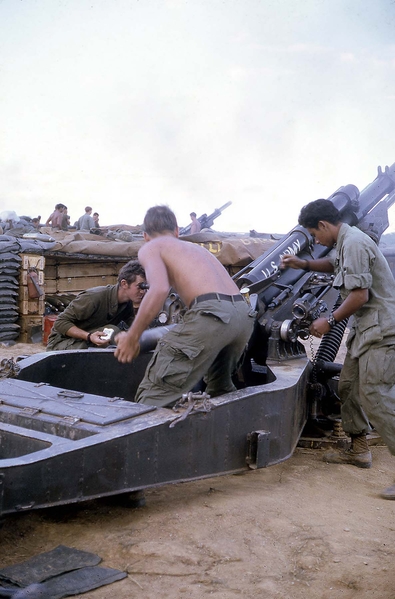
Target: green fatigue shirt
x=359 y=264
x=90 y=310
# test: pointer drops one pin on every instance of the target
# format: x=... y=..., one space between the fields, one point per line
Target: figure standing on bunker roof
x=195 y=225
x=55 y=219
x=367 y=288
x=65 y=220
x=86 y=221
x=216 y=327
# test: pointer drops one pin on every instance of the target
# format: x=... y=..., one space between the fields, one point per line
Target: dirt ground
x=298 y=530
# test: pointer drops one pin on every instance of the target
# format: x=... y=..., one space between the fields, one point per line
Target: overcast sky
x=123 y=104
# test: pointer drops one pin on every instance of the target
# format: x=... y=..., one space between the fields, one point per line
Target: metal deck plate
x=35 y=399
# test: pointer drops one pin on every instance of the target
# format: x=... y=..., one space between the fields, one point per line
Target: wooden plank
x=78 y=269
x=32 y=261
x=27 y=321
x=50 y=286
x=74 y=284
x=31 y=328
x=23 y=294
x=50 y=271
x=33 y=306
x=50 y=260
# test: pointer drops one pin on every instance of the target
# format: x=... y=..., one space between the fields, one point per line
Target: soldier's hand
x=292 y=262
x=127 y=348
x=97 y=339
x=319 y=327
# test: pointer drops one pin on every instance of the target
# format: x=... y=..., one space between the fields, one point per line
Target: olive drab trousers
x=368 y=382
x=209 y=343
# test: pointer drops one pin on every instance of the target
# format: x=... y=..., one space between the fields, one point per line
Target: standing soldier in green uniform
x=367 y=288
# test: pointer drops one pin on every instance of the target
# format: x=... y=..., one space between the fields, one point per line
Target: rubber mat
x=51 y=563
x=65 y=585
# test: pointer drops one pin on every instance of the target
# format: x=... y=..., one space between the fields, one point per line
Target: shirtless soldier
x=216 y=327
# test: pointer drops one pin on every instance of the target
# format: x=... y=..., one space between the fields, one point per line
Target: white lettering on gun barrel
x=291 y=250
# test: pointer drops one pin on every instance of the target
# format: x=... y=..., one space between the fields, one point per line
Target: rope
x=191 y=402
x=9 y=369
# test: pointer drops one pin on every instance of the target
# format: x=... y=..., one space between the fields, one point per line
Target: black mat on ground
x=65 y=585
x=51 y=563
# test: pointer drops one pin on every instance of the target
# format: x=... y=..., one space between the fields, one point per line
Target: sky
x=124 y=104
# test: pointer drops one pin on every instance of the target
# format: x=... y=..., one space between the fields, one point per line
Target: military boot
x=388 y=493
x=358 y=454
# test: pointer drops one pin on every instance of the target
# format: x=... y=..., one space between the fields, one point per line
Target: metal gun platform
x=62 y=446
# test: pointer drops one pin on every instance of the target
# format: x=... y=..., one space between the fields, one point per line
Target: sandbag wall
x=10 y=262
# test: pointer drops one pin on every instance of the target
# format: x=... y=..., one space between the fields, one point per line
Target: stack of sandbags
x=10 y=262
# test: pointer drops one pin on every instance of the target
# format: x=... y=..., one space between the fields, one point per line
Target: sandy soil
x=299 y=530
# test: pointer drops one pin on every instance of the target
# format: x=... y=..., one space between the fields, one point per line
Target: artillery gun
x=205 y=221
x=69 y=430
x=287 y=301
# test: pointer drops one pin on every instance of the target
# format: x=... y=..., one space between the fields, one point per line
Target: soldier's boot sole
x=347 y=456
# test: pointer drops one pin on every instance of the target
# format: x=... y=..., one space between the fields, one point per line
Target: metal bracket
x=30 y=411
x=258 y=449
x=70 y=394
x=71 y=419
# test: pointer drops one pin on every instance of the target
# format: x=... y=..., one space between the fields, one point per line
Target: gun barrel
x=377 y=190
x=352 y=205
x=389 y=200
x=206 y=221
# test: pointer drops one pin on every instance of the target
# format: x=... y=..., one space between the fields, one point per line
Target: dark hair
x=312 y=213
x=130 y=271
x=193 y=214
x=58 y=206
x=159 y=219
x=88 y=208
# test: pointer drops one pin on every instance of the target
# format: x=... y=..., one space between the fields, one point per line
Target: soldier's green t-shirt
x=359 y=264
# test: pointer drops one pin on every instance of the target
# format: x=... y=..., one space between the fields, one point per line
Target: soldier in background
x=65 y=220
x=55 y=219
x=195 y=225
x=81 y=324
x=86 y=221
